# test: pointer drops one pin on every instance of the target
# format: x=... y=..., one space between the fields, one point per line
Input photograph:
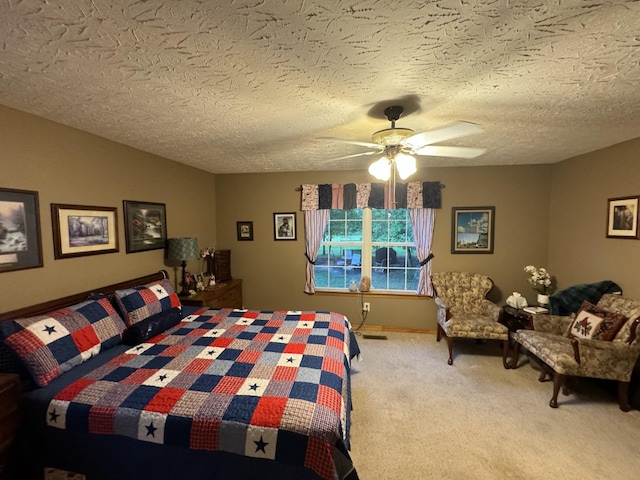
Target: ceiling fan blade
x=444 y=151
x=353 y=142
x=353 y=156
x=441 y=134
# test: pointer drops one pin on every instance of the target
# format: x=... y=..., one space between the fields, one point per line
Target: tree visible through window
x=372 y=242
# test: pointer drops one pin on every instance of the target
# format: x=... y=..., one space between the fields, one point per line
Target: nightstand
x=9 y=414
x=221 y=295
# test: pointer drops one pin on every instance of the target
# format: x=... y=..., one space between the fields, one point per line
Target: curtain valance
x=373 y=195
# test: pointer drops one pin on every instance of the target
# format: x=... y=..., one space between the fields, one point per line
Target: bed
x=194 y=393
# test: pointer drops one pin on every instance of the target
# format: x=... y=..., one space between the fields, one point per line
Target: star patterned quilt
x=265 y=384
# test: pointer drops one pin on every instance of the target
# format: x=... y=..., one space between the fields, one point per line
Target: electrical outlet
x=366 y=307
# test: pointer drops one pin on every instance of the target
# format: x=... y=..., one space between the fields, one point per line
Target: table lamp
x=181 y=250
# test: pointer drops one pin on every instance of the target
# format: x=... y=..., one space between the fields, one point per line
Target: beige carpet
x=415 y=417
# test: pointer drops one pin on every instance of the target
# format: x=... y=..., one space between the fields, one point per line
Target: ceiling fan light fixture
x=381 y=169
x=406 y=165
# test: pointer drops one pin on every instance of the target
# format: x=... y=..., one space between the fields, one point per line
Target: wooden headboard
x=51 y=305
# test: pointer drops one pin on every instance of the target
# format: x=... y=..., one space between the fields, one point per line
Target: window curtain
x=422 y=222
x=421 y=198
x=315 y=221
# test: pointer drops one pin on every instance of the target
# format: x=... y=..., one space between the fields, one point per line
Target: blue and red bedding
x=258 y=384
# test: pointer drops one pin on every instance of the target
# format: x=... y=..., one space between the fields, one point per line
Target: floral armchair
x=463 y=310
x=563 y=354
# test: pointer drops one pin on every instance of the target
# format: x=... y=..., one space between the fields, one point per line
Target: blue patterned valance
x=374 y=195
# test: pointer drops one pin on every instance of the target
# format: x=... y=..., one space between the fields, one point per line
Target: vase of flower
x=543 y=300
x=540 y=279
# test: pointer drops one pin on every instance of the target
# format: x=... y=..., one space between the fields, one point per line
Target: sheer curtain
x=422 y=222
x=315 y=222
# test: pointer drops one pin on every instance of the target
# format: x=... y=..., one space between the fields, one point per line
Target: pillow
x=51 y=344
x=141 y=302
x=151 y=326
x=591 y=322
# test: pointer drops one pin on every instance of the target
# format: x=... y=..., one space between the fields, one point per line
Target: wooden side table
x=514 y=319
x=9 y=415
x=222 y=295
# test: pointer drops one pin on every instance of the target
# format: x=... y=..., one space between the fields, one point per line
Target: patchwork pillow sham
x=51 y=344
x=591 y=322
x=150 y=327
x=143 y=301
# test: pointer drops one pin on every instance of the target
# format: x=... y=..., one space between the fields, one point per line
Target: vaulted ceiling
x=254 y=85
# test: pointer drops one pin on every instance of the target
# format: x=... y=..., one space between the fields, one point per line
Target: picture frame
x=20 y=236
x=472 y=229
x=284 y=226
x=244 y=231
x=145 y=225
x=622 y=217
x=83 y=230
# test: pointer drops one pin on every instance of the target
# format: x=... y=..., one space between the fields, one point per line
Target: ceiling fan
x=399 y=145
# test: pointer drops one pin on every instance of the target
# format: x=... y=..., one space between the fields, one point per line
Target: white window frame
x=368 y=247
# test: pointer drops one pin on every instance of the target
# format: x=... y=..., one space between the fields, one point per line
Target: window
x=372 y=242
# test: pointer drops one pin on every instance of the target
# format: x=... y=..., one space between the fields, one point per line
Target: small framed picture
x=472 y=229
x=284 y=226
x=622 y=217
x=145 y=225
x=245 y=231
x=20 y=240
x=80 y=230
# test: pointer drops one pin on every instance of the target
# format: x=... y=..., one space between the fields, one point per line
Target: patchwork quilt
x=272 y=385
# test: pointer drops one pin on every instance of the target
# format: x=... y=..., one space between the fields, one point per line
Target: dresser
x=9 y=414
x=221 y=295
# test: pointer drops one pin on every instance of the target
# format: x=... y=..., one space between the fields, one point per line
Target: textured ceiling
x=251 y=86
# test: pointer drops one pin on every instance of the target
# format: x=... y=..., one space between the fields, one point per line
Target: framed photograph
x=80 y=230
x=245 y=231
x=145 y=225
x=284 y=226
x=472 y=229
x=622 y=217
x=20 y=240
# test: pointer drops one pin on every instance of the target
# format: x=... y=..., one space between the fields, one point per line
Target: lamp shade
x=185 y=248
x=406 y=165
x=381 y=169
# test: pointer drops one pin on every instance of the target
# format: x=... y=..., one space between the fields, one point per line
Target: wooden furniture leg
x=558 y=381
x=450 y=346
x=505 y=353
x=623 y=396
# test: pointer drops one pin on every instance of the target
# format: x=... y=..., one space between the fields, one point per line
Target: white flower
x=539 y=278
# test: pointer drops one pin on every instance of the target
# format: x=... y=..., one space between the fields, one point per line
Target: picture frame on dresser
x=20 y=236
x=83 y=230
x=622 y=217
x=145 y=225
x=472 y=229
x=284 y=226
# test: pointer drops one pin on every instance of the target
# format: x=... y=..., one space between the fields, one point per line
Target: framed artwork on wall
x=244 y=231
x=82 y=230
x=145 y=225
x=20 y=240
x=622 y=217
x=472 y=229
x=284 y=226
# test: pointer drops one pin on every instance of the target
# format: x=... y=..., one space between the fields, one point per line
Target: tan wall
x=65 y=165
x=546 y=215
x=273 y=271
x=579 y=251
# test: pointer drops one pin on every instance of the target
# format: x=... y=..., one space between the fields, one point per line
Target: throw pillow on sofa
x=591 y=322
x=51 y=344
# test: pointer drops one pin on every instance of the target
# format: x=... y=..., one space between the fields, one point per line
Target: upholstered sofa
x=610 y=353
